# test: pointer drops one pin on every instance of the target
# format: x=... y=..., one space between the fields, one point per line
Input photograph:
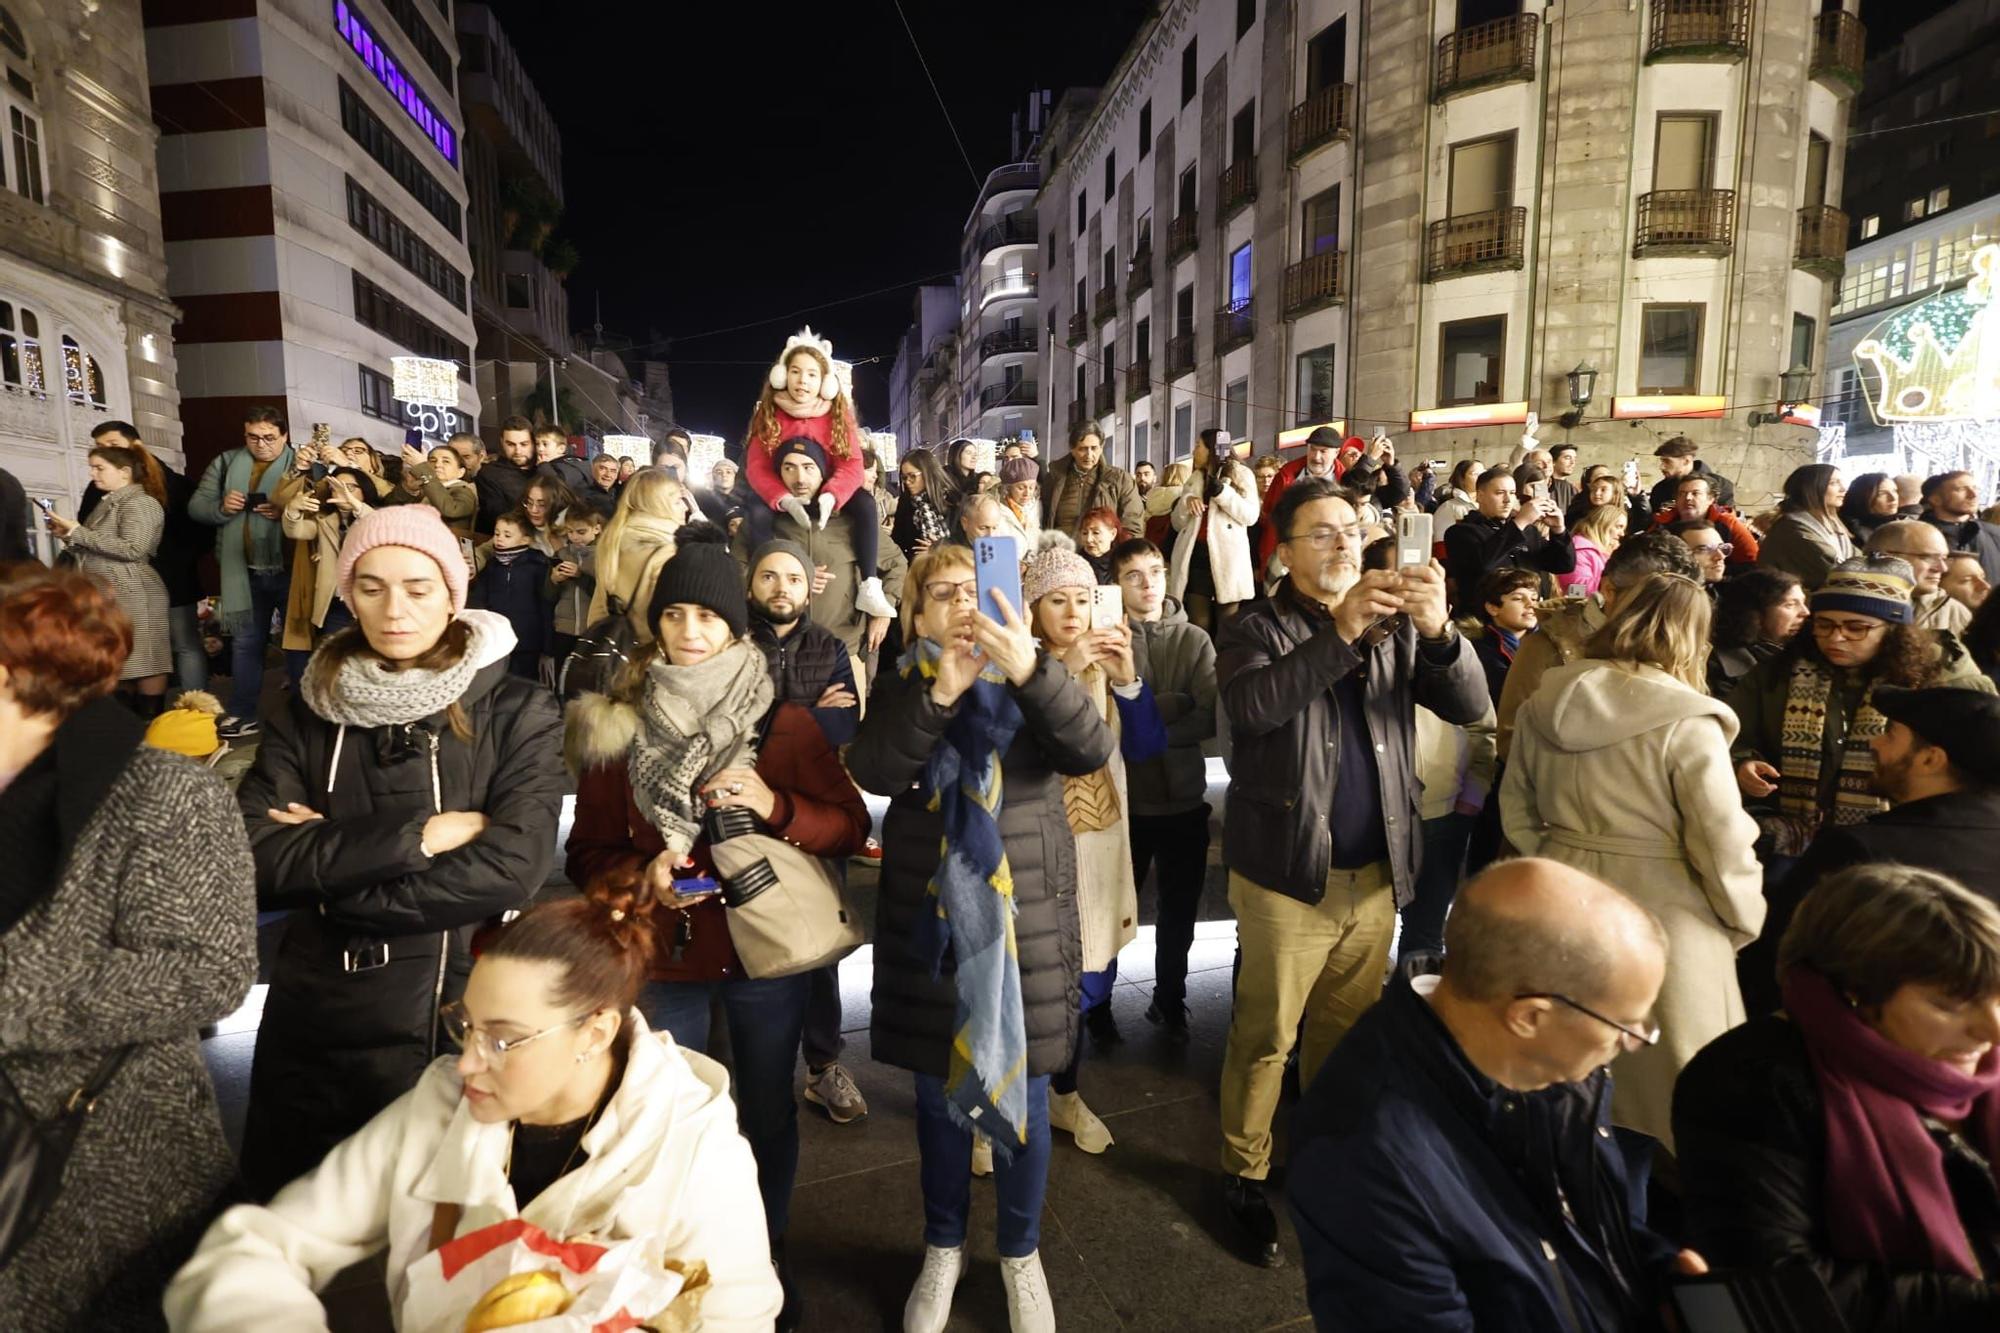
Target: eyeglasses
x=1630 y=1038
x=1846 y=629
x=1712 y=548
x=492 y=1051
x=942 y=591
x=1321 y=538
x=255 y=438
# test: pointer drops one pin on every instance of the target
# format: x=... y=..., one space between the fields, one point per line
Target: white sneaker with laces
x=870 y=600
x=1068 y=1113
x=929 y=1305
x=1029 y=1309
x=833 y=1088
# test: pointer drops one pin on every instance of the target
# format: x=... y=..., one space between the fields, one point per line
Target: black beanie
x=702 y=573
x=802 y=444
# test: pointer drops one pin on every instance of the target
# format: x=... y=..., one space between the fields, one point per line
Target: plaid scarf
x=973 y=888
x=1801 y=759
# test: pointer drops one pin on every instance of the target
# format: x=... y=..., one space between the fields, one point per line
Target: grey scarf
x=361 y=692
x=695 y=721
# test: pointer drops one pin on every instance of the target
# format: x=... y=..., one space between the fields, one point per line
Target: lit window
x=1940 y=199
x=1913 y=209
x=1871 y=225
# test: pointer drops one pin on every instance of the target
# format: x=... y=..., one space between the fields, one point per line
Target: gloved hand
x=796 y=507
x=825 y=503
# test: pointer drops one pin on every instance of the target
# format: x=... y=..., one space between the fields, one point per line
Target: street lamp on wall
x=1793 y=387
x=1582 y=387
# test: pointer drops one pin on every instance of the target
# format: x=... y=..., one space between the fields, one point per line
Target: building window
x=1871 y=226
x=1184 y=430
x=1082 y=383
x=361 y=39
x=1110 y=175
x=1818 y=151
x=1239 y=276
x=1940 y=200
x=520 y=291
x=367 y=215
x=1107 y=363
x=424 y=38
x=1319 y=229
x=1482 y=176
x=389 y=152
x=1670 y=348
x=1189 y=182
x=83 y=381
x=1188 y=76
x=1142 y=340
x=1184 y=311
x=1142 y=233
x=1326 y=57
x=20 y=125
x=1082 y=200
x=1684 y=151
x=377 y=395
x=1246 y=17
x=1913 y=209
x=1052 y=249
x=1141 y=440
x=1805 y=331
x=378 y=310
x=1470 y=352
x=1236 y=408
x=1313 y=401
x=21 y=350
x=26 y=133
x=1145 y=130
x=1243 y=133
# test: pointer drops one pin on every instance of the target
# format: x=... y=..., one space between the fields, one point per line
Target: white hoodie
x=665 y=1159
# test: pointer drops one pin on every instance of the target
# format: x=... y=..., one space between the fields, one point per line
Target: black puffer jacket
x=1061 y=734
x=378 y=936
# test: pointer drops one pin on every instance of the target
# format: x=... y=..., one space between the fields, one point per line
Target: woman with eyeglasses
x=1809 y=538
x=978 y=943
x=1854 y=1130
x=1620 y=767
x=691 y=735
x=923 y=513
x=562 y=1108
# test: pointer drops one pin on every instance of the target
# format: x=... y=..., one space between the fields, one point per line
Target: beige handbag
x=788 y=910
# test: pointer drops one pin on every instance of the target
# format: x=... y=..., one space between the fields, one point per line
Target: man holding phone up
x=1321 y=829
x=250 y=547
x=1506 y=532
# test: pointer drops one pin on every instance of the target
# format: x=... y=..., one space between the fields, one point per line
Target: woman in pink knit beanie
x=408 y=791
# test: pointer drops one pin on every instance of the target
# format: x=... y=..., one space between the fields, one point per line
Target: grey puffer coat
x=148 y=934
x=1062 y=733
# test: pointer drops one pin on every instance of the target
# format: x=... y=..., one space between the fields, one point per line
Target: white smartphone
x=1631 y=473
x=1107 y=606
x=1413 y=540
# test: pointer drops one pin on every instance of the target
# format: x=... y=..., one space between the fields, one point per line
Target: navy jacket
x=1427 y=1197
x=515 y=591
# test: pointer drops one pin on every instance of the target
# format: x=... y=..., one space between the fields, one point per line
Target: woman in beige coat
x=1620 y=767
x=635 y=545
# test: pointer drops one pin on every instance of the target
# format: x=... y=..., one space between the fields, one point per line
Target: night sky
x=728 y=165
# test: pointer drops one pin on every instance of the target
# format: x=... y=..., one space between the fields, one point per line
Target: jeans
x=764 y=1016
x=1096 y=988
x=190 y=658
x=1178 y=845
x=823 y=1042
x=944 y=1151
x=1437 y=883
x=268 y=589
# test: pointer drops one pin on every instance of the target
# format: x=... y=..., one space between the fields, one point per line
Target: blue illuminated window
x=362 y=40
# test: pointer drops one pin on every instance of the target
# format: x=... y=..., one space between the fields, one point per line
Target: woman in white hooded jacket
x=1620 y=767
x=562 y=1110
x=1210 y=571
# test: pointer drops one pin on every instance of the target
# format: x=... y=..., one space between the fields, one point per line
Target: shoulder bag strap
x=84 y=1099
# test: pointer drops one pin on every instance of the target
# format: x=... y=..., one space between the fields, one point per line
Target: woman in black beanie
x=692 y=727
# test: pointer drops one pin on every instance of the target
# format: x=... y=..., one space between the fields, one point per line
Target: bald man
x=1454 y=1165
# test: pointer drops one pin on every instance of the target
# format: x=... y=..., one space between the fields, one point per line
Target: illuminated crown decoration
x=1939 y=359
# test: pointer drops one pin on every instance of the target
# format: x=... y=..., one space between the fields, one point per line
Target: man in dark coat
x=1453 y=1165
x=1083 y=480
x=1677 y=460
x=1951 y=505
x=1505 y=533
x=1321 y=830
x=502 y=481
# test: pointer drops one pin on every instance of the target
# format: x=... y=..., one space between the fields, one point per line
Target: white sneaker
x=929 y=1305
x=870 y=600
x=1029 y=1309
x=982 y=1154
x=1068 y=1113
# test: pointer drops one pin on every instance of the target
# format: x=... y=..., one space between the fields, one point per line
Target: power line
x=925 y=64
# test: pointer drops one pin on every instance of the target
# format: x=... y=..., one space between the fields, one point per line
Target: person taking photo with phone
x=234 y=498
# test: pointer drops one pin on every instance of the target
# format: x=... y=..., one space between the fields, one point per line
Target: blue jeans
x=268 y=589
x=944 y=1150
x=190 y=658
x=1437 y=883
x=765 y=1018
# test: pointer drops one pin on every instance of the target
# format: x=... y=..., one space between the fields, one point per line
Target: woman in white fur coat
x=1211 y=570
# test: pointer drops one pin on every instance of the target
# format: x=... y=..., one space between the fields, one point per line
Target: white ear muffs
x=776 y=378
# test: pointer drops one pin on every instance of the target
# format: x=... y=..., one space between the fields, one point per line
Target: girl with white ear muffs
x=807 y=395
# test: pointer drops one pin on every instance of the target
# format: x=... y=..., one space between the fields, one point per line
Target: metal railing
x=1180 y=353
x=1079 y=325
x=1235 y=325
x=1239 y=185
x=1139 y=272
x=1139 y=378
x=1686 y=222
x=1822 y=245
x=1007 y=284
x=1021 y=393
x=1017 y=228
x=1104 y=398
x=1680 y=29
x=1314 y=283
x=1002 y=341
x=1475 y=242
x=1183 y=235
x=1322 y=118
x=1079 y=412
x=1840 y=47
x=1105 y=304
x=1501 y=51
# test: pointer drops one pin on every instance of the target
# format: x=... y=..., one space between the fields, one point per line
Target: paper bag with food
x=514 y=1275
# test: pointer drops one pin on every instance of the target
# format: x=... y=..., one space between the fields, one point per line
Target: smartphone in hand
x=1413 y=540
x=1107 y=607
x=996 y=567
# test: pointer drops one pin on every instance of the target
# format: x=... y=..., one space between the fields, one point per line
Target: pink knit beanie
x=418 y=527
x=1054 y=564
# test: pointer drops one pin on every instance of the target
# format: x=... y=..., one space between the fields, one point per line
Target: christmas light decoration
x=1938 y=359
x=638 y=448
x=704 y=452
x=419 y=379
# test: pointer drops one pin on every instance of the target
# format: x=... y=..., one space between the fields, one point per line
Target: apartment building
x=1422 y=216
x=85 y=321
x=311 y=175
x=913 y=384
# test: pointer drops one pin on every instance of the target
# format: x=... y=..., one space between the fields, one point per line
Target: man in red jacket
x=1321 y=459
x=1694 y=500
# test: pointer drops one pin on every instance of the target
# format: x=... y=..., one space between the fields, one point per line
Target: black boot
x=1103 y=1026
x=1255 y=1222
x=1171 y=1015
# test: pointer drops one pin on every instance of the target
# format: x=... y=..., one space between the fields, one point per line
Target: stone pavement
x=1133 y=1239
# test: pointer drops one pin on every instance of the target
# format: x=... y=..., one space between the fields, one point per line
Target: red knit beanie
x=418 y=527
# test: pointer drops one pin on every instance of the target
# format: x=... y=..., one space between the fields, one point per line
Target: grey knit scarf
x=695 y=721
x=361 y=692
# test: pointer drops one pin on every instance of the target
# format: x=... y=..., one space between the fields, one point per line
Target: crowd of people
x=1612 y=875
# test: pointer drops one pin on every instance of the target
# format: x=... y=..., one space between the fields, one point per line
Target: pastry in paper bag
x=607 y=1287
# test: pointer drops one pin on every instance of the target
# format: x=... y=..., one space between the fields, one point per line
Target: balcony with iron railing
x=1822 y=246
x=1839 y=49
x=1021 y=393
x=1017 y=228
x=1079 y=326
x=1235 y=325
x=1104 y=398
x=1710 y=30
x=1239 y=186
x=1139 y=378
x=1314 y=283
x=1180 y=354
x=1501 y=51
x=1323 y=118
x=1079 y=412
x=1183 y=235
x=1105 y=305
x=1475 y=243
x=1007 y=285
x=1013 y=176
x=1685 y=222
x=1003 y=341
x=1139 y=272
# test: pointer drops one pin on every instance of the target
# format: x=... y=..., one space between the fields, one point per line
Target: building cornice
x=1134 y=69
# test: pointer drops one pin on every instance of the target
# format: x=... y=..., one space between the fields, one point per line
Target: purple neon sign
x=356 y=32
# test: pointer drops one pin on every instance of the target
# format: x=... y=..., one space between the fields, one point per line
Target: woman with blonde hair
x=634 y=545
x=1620 y=767
x=1595 y=536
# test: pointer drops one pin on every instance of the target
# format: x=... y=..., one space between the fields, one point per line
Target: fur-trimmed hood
x=597 y=729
